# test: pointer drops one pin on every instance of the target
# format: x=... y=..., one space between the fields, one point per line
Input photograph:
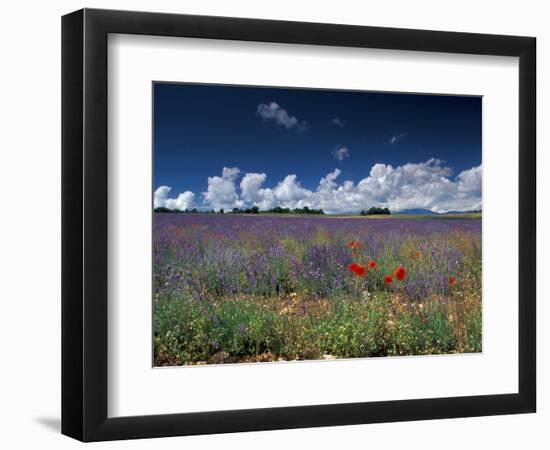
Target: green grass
x=242 y=328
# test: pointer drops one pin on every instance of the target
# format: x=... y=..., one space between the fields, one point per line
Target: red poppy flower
x=358 y=269
x=372 y=264
x=452 y=281
x=351 y=244
x=400 y=273
x=358 y=244
x=388 y=279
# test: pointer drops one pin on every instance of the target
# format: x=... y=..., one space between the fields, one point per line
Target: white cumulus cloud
x=428 y=185
x=470 y=180
x=338 y=122
x=221 y=192
x=182 y=202
x=250 y=186
x=341 y=153
x=272 y=111
x=252 y=192
x=289 y=193
x=397 y=137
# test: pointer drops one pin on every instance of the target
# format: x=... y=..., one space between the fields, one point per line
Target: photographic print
x=307 y=224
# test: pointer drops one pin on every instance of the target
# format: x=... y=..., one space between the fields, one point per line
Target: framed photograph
x=273 y=224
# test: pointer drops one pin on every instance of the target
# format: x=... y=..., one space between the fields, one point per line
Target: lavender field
x=249 y=288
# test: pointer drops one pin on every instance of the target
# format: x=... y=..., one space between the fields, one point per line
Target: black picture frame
x=84 y=224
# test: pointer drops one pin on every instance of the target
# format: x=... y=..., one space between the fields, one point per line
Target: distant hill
x=419 y=211
x=416 y=211
x=462 y=212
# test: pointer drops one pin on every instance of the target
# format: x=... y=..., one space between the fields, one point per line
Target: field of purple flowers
x=246 y=288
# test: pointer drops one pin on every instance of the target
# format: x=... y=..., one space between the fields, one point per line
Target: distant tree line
x=253 y=210
x=375 y=211
x=278 y=210
x=162 y=209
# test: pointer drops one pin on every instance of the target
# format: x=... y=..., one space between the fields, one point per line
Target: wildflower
x=400 y=273
x=452 y=281
x=388 y=279
x=351 y=244
x=372 y=264
x=358 y=269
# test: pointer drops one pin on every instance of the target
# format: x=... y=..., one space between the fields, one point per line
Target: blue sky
x=392 y=148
